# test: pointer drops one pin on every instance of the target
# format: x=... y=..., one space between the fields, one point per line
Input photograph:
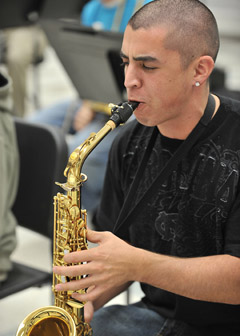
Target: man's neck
x=180 y=128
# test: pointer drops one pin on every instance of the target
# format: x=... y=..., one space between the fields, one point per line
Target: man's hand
x=113 y=264
x=88 y=311
x=109 y=267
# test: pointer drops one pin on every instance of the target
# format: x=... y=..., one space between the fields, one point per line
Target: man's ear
x=203 y=68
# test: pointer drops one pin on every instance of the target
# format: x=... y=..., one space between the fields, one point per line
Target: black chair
x=43 y=158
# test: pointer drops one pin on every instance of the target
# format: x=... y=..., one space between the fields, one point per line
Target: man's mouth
x=134 y=104
x=137 y=102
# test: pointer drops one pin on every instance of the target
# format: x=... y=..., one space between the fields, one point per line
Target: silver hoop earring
x=197 y=84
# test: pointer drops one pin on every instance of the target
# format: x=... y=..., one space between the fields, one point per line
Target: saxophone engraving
x=66 y=316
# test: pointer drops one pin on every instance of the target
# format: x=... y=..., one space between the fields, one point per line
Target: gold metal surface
x=48 y=321
x=66 y=317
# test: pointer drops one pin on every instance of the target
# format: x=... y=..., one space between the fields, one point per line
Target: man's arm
x=212 y=278
x=114 y=263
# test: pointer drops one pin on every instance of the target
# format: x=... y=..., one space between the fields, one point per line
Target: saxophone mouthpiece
x=122 y=112
x=134 y=104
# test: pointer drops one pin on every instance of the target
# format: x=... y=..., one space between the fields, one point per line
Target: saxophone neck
x=120 y=114
x=76 y=160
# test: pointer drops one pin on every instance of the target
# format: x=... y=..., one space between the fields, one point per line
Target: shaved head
x=192 y=28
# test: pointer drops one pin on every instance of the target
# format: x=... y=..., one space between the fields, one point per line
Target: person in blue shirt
x=109 y=15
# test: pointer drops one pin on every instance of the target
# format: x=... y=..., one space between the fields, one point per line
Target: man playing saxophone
x=183 y=242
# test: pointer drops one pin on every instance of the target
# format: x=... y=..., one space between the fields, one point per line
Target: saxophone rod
x=120 y=114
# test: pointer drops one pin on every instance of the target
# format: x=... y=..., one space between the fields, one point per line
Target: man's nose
x=132 y=78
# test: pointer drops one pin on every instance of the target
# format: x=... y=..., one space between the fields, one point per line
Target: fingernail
x=58 y=287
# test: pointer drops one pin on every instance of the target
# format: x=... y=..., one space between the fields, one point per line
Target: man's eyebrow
x=122 y=55
x=146 y=58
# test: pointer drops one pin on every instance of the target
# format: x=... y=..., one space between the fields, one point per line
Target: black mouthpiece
x=121 y=113
x=134 y=104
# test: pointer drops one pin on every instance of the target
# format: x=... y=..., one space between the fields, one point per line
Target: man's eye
x=148 y=67
x=123 y=64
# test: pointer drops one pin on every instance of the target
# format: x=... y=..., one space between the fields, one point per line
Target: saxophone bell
x=48 y=321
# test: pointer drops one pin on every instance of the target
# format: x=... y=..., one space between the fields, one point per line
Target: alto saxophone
x=66 y=316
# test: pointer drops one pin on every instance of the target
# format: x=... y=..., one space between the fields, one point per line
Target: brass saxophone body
x=66 y=316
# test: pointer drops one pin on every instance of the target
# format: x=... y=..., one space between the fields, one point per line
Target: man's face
x=154 y=76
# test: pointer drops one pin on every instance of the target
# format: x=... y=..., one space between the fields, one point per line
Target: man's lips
x=140 y=105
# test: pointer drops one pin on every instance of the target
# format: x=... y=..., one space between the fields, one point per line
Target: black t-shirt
x=195 y=212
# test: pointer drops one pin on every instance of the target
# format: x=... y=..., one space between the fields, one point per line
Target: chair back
x=43 y=158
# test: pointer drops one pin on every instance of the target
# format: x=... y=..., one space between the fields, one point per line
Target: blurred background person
x=109 y=15
x=22 y=47
x=9 y=172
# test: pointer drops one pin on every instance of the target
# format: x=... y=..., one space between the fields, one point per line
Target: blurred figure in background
x=24 y=46
x=111 y=15
x=9 y=172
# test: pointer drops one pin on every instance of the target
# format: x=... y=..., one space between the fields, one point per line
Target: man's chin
x=145 y=122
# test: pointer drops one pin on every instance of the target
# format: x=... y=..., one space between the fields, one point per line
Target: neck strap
x=127 y=214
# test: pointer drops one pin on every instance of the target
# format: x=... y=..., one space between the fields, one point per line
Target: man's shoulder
x=230 y=104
